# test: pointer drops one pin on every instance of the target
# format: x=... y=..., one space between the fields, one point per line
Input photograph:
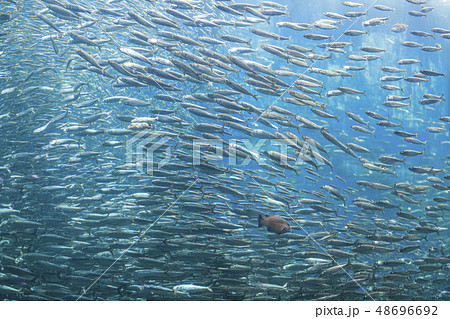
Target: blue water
x=93 y=255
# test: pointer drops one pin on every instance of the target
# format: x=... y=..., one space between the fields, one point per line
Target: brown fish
x=139 y=126
x=274 y=224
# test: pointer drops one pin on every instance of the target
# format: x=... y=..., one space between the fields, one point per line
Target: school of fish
x=216 y=150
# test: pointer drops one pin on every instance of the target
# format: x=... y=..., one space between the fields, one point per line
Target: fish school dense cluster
x=216 y=150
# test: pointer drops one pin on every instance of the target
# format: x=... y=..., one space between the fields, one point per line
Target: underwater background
x=198 y=150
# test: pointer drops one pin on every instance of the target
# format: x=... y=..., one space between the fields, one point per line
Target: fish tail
x=348 y=263
x=260 y=220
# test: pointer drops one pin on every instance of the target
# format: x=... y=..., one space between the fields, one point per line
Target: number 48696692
x=403 y=310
